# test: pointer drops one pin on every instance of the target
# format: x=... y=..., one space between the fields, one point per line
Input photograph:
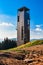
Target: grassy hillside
x=36 y=42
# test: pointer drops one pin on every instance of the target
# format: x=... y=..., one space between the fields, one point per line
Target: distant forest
x=7 y=44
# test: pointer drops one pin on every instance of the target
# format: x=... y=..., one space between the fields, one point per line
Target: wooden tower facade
x=23 y=26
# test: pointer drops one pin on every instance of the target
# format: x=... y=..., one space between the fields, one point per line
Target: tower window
x=28 y=22
x=22 y=33
x=18 y=18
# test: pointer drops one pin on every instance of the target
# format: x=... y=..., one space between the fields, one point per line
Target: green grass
x=36 y=42
x=19 y=48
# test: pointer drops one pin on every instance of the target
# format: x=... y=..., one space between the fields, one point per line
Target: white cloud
x=8 y=19
x=36 y=35
x=6 y=24
x=38 y=26
x=38 y=29
x=37 y=32
x=9 y=34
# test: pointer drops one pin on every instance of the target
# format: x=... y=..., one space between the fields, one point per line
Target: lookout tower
x=23 y=26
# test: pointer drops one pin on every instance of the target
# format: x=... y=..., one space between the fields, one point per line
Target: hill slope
x=27 y=45
x=27 y=54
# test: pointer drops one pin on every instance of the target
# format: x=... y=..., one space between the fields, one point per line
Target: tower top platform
x=23 y=8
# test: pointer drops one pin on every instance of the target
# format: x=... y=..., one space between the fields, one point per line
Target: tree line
x=7 y=44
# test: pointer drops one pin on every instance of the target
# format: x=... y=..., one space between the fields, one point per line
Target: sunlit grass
x=36 y=42
x=22 y=46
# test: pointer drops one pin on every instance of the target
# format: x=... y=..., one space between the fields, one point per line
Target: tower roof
x=23 y=8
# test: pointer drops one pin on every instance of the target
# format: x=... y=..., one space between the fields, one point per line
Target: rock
x=35 y=55
x=27 y=56
x=28 y=60
x=40 y=60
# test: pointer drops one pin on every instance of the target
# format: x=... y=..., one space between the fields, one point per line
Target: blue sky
x=8 y=17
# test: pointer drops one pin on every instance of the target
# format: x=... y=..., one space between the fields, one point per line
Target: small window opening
x=22 y=33
x=18 y=18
